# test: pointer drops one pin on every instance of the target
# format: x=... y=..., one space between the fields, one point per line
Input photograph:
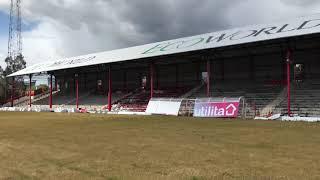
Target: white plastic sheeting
x=164 y=106
x=25 y=109
x=287 y=118
x=290 y=28
x=297 y=118
x=64 y=110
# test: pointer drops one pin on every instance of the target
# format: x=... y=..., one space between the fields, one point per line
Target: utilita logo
x=216 y=109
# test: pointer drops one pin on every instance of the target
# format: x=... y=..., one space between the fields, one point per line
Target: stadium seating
x=86 y=99
x=257 y=95
x=305 y=99
x=24 y=101
x=262 y=99
x=139 y=99
x=58 y=99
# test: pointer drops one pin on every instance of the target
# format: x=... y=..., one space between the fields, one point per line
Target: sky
x=53 y=29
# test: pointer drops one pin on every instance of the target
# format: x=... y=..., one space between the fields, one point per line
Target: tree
x=14 y=65
x=2 y=76
x=2 y=86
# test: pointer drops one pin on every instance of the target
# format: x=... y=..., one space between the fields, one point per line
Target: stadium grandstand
x=273 y=68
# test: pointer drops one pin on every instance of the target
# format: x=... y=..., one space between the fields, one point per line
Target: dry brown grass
x=78 y=146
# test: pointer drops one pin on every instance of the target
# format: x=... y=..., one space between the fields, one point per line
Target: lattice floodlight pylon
x=15 y=39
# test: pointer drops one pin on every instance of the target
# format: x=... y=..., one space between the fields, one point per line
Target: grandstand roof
x=297 y=27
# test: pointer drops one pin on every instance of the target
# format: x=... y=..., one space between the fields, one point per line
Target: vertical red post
x=77 y=90
x=151 y=79
x=110 y=90
x=50 y=98
x=30 y=89
x=208 y=77
x=12 y=92
x=288 y=83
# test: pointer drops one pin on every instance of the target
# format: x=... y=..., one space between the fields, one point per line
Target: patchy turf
x=79 y=146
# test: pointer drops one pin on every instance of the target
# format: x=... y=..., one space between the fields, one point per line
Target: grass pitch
x=82 y=146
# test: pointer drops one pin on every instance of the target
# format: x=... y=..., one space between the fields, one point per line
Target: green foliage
x=14 y=65
x=1 y=73
x=3 y=85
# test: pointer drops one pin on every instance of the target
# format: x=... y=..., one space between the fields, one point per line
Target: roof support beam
x=151 y=79
x=288 y=60
x=30 y=89
x=77 y=90
x=12 y=92
x=50 y=97
x=208 y=77
x=110 y=89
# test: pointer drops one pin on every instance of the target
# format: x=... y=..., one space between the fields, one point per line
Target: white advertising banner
x=225 y=108
x=164 y=106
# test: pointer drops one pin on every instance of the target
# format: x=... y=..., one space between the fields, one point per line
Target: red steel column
x=77 y=90
x=208 y=78
x=288 y=82
x=12 y=92
x=30 y=89
x=50 y=97
x=151 y=79
x=110 y=90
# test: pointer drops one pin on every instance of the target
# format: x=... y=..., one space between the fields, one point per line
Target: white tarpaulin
x=164 y=106
x=290 y=28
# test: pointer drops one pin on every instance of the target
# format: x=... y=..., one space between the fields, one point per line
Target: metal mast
x=15 y=39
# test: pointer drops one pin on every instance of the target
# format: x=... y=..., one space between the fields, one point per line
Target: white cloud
x=4 y=5
x=258 y=12
x=2 y=57
x=3 y=51
x=41 y=44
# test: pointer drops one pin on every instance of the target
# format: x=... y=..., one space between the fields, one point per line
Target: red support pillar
x=50 y=97
x=77 y=90
x=208 y=78
x=30 y=89
x=288 y=83
x=151 y=79
x=110 y=90
x=12 y=92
